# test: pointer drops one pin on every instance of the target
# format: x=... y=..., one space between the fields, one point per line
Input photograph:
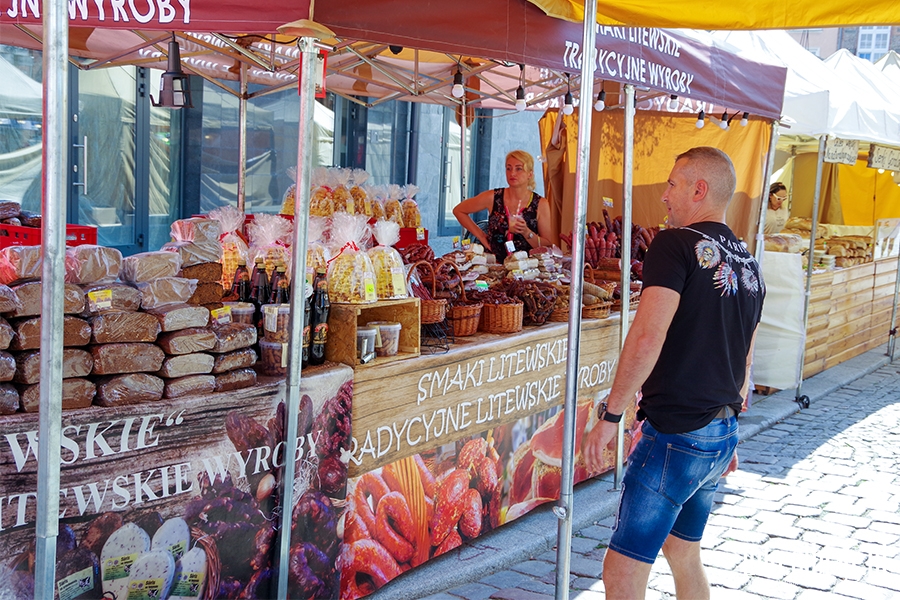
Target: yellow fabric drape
x=659 y=138
x=759 y=14
x=804 y=182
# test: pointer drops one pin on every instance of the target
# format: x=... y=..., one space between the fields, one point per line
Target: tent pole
x=308 y=58
x=893 y=332
x=242 y=141
x=764 y=196
x=803 y=401
x=625 y=284
x=53 y=241
x=564 y=507
x=463 y=192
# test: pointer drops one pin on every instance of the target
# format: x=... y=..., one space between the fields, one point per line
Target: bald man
x=688 y=352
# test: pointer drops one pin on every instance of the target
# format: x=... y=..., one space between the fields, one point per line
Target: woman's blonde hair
x=527 y=162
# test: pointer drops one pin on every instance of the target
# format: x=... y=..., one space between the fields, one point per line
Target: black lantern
x=174 y=86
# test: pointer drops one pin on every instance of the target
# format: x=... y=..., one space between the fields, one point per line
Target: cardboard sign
x=841 y=151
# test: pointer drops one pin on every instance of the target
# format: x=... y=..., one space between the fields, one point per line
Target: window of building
x=873 y=42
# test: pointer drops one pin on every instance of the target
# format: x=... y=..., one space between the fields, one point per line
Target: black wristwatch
x=605 y=415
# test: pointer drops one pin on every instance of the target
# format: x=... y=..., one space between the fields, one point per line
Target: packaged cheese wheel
x=89 y=264
x=19 y=264
x=191 y=385
x=110 y=296
x=117 y=560
x=30 y=296
x=164 y=291
x=76 y=332
x=124 y=326
x=173 y=536
x=233 y=336
x=78 y=572
x=189 y=582
x=151 y=576
x=76 y=363
x=180 y=365
x=9 y=399
x=6 y=334
x=196 y=229
x=235 y=380
x=9 y=300
x=245 y=357
x=186 y=341
x=207 y=272
x=147 y=266
x=130 y=388
x=77 y=392
x=112 y=359
x=175 y=317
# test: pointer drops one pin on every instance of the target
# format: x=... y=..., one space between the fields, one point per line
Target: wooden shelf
x=344 y=320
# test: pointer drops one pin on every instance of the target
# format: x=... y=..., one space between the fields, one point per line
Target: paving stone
x=772 y=589
x=585 y=567
x=792 y=559
x=863 y=591
x=801 y=511
x=891 y=528
x=891 y=565
x=825 y=527
x=774 y=529
x=875 y=537
x=595 y=532
x=663 y=582
x=822 y=539
x=846 y=508
x=519 y=594
x=536 y=568
x=725 y=594
x=879 y=550
x=540 y=587
x=760 y=568
x=726 y=578
x=841 y=570
x=740 y=510
x=844 y=519
x=732 y=522
x=589 y=595
x=721 y=560
x=505 y=579
x=811 y=579
x=473 y=591
x=883 y=579
x=884 y=516
x=583 y=544
x=751 y=537
x=441 y=596
x=758 y=505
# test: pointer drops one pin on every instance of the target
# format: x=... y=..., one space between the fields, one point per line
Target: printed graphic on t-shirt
x=711 y=253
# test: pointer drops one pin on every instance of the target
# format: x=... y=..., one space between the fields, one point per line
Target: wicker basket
x=596 y=311
x=635 y=299
x=502 y=318
x=559 y=315
x=462 y=316
x=435 y=309
x=213 y=563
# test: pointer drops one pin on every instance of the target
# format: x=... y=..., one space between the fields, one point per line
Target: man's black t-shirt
x=702 y=365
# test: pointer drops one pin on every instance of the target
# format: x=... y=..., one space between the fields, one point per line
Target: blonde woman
x=519 y=219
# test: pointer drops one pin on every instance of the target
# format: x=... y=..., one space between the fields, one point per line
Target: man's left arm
x=639 y=355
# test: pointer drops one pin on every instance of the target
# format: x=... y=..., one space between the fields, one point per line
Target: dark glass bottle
x=319 y=320
x=273 y=285
x=259 y=283
x=240 y=289
x=307 y=310
x=281 y=293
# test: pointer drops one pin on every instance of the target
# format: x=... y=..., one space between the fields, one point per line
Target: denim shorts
x=669 y=486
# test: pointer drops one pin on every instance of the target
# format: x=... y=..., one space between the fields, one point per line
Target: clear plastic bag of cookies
x=377 y=194
x=410 y=210
x=340 y=194
x=320 y=199
x=361 y=201
x=287 y=201
x=351 y=276
x=392 y=210
x=270 y=238
x=234 y=248
x=390 y=276
x=316 y=251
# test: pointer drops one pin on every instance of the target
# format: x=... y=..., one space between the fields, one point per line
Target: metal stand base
x=803 y=401
x=435 y=338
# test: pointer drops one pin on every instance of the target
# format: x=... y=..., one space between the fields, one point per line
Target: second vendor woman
x=519 y=217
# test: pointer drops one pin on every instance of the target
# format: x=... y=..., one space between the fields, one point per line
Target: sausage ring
x=393 y=516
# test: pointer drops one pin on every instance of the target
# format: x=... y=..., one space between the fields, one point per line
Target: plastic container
x=365 y=343
x=276 y=322
x=273 y=358
x=241 y=312
x=388 y=341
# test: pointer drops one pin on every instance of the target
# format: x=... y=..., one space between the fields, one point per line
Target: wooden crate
x=345 y=318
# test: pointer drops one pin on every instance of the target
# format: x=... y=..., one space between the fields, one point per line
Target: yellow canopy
x=703 y=14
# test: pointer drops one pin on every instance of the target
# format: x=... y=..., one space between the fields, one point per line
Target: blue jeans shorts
x=669 y=486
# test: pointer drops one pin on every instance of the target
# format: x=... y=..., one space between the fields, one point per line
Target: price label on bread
x=100 y=300
x=220 y=316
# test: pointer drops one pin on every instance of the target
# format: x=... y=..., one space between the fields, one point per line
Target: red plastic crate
x=16 y=235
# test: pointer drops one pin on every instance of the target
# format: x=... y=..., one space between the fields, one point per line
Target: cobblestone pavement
x=813 y=512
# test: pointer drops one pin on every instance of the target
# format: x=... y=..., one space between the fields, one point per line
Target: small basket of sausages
x=500 y=313
x=539 y=299
x=463 y=314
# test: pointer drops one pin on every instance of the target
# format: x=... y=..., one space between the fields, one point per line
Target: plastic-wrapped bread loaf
x=30 y=296
x=113 y=359
x=9 y=399
x=147 y=266
x=239 y=359
x=6 y=334
x=76 y=363
x=207 y=293
x=207 y=272
x=235 y=380
x=20 y=263
x=30 y=219
x=7 y=366
x=111 y=296
x=186 y=341
x=165 y=291
x=76 y=393
x=91 y=264
x=197 y=363
x=124 y=326
x=180 y=316
x=9 y=209
x=233 y=336
x=191 y=385
x=76 y=332
x=130 y=388
x=9 y=300
x=197 y=230
x=195 y=253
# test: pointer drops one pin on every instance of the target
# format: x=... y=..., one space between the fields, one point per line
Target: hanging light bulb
x=724 y=122
x=744 y=119
x=600 y=104
x=457 y=90
x=520 y=98
x=701 y=119
x=568 y=106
